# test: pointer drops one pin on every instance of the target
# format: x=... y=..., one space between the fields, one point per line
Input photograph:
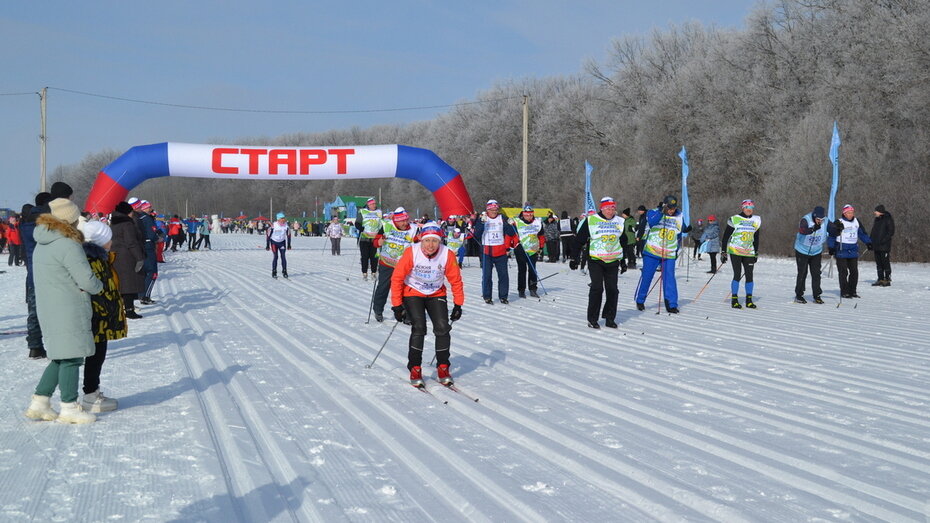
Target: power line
x=271 y=111
x=16 y=94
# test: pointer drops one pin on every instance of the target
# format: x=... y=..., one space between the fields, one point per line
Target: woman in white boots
x=64 y=283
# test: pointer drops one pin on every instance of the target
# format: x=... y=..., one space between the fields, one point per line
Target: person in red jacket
x=497 y=236
x=418 y=288
x=175 y=232
x=15 y=242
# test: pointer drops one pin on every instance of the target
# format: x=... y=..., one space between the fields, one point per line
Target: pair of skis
x=451 y=386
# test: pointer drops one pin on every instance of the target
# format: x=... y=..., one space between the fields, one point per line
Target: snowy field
x=248 y=399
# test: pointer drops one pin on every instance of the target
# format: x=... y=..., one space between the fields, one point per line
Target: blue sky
x=286 y=55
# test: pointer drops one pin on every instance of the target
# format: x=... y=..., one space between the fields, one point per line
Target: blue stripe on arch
x=139 y=164
x=424 y=166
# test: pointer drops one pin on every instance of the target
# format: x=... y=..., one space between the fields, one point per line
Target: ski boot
x=443 y=374
x=365 y=276
x=670 y=309
x=284 y=273
x=489 y=301
x=800 y=299
x=505 y=301
x=610 y=324
x=594 y=325
x=379 y=317
x=818 y=300
x=734 y=302
x=640 y=306
x=416 y=376
x=522 y=294
x=274 y=274
x=749 y=303
x=533 y=293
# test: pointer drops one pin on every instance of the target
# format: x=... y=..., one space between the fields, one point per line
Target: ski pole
x=551 y=275
x=396 y=323
x=708 y=281
x=371 y=305
x=529 y=261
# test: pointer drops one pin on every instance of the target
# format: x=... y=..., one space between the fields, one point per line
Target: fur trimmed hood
x=49 y=229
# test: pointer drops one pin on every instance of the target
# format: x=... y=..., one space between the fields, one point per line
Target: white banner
x=281 y=163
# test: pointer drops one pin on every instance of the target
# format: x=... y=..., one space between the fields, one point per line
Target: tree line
x=755 y=108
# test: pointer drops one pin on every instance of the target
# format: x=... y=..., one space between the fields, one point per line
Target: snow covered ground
x=248 y=399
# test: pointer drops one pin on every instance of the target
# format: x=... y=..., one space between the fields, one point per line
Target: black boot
x=284 y=273
x=734 y=302
x=749 y=303
x=274 y=273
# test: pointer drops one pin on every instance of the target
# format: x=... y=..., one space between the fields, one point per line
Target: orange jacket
x=405 y=265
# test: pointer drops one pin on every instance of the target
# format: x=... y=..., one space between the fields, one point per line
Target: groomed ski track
x=244 y=398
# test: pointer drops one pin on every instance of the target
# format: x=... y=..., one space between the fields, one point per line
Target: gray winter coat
x=64 y=283
x=711 y=235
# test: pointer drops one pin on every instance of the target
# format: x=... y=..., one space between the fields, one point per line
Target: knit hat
x=881 y=209
x=97 y=233
x=65 y=210
x=607 y=201
x=400 y=214
x=671 y=201
x=123 y=207
x=641 y=208
x=747 y=204
x=134 y=202
x=818 y=212
x=370 y=200
x=144 y=204
x=626 y=211
x=43 y=198
x=849 y=207
x=61 y=190
x=492 y=203
x=711 y=217
x=278 y=216
x=528 y=208
x=430 y=229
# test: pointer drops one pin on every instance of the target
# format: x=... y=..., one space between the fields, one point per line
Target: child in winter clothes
x=64 y=283
x=109 y=316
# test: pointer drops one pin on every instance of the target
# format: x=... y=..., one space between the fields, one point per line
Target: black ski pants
x=807 y=263
x=33 y=330
x=369 y=256
x=526 y=269
x=603 y=281
x=553 y=247
x=883 y=264
x=848 y=270
x=382 y=289
x=92 y=366
x=567 y=252
x=741 y=264
x=417 y=309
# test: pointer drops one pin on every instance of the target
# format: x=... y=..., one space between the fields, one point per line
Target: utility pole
x=526 y=127
x=43 y=138
x=270 y=208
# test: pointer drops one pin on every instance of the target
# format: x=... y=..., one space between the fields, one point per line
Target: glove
x=573 y=265
x=267 y=248
x=661 y=205
x=139 y=266
x=838 y=224
x=400 y=313
x=831 y=251
x=816 y=226
x=868 y=246
x=456 y=313
x=723 y=257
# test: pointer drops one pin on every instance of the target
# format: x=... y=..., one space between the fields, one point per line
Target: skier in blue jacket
x=845 y=234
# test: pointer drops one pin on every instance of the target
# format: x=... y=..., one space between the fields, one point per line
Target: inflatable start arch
x=278 y=163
